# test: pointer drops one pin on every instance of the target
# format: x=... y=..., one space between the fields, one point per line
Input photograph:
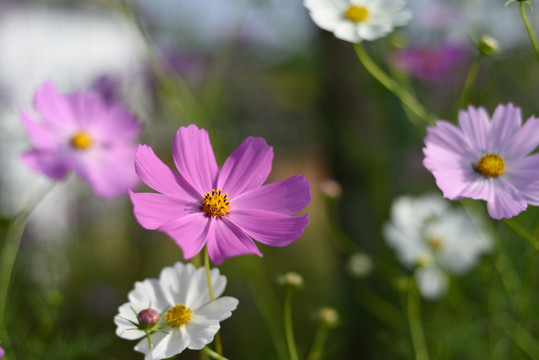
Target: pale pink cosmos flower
x=222 y=208
x=78 y=132
x=487 y=159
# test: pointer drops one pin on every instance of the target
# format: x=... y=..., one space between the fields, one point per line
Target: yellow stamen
x=490 y=165
x=178 y=316
x=81 y=140
x=435 y=243
x=215 y=203
x=357 y=13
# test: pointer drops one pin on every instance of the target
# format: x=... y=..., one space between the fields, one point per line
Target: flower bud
x=148 y=317
x=331 y=188
x=487 y=46
x=291 y=279
x=360 y=265
x=328 y=316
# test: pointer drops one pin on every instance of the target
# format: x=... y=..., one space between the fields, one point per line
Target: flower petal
x=147 y=294
x=201 y=333
x=286 y=197
x=43 y=136
x=506 y=122
x=505 y=201
x=154 y=173
x=110 y=172
x=198 y=293
x=125 y=329
x=115 y=124
x=246 y=168
x=194 y=158
x=475 y=125
x=270 y=228
x=432 y=282
x=154 y=210
x=53 y=106
x=227 y=240
x=220 y=309
x=525 y=140
x=190 y=232
x=51 y=164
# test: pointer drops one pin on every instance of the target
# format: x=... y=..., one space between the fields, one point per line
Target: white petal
x=346 y=30
x=432 y=282
x=143 y=346
x=220 y=309
x=201 y=333
x=125 y=329
x=147 y=294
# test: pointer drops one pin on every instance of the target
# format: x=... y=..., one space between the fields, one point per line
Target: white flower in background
x=358 y=20
x=429 y=235
x=189 y=318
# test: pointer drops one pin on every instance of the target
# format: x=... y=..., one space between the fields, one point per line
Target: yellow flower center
x=81 y=140
x=490 y=165
x=435 y=243
x=178 y=316
x=357 y=13
x=215 y=203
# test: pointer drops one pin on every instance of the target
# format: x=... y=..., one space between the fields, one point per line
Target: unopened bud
x=360 y=265
x=487 y=46
x=328 y=316
x=291 y=279
x=331 y=188
x=148 y=317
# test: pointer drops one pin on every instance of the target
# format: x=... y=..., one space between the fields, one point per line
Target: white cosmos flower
x=181 y=294
x=358 y=20
x=429 y=235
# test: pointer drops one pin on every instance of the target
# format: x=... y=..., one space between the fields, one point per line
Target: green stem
x=150 y=345
x=218 y=343
x=530 y=29
x=213 y=354
x=404 y=96
x=416 y=326
x=7 y=261
x=289 y=331
x=319 y=343
x=523 y=233
x=470 y=80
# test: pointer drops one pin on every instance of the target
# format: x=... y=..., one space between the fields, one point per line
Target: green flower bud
x=487 y=46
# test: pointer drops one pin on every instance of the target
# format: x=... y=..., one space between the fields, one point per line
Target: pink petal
x=475 y=125
x=523 y=174
x=115 y=125
x=226 y=240
x=269 y=228
x=190 y=232
x=246 y=168
x=53 y=106
x=506 y=122
x=194 y=158
x=154 y=210
x=87 y=109
x=505 y=202
x=43 y=136
x=110 y=172
x=51 y=164
x=448 y=136
x=154 y=173
x=525 y=140
x=286 y=197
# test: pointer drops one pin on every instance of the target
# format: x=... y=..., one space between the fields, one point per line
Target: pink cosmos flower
x=487 y=159
x=79 y=132
x=2 y=353
x=221 y=208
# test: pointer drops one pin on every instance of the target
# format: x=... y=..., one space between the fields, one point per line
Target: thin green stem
x=213 y=354
x=7 y=261
x=416 y=326
x=218 y=343
x=150 y=345
x=319 y=343
x=404 y=96
x=523 y=233
x=470 y=81
x=530 y=29
x=288 y=328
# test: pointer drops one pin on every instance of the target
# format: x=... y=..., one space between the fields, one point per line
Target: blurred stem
x=380 y=308
x=319 y=343
x=213 y=354
x=10 y=249
x=523 y=233
x=218 y=344
x=529 y=28
x=416 y=326
x=404 y=96
x=172 y=83
x=288 y=328
x=470 y=81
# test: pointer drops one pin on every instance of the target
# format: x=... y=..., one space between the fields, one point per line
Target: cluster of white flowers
x=434 y=239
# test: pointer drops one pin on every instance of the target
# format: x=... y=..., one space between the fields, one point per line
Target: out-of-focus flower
x=221 y=208
x=331 y=188
x=487 y=46
x=431 y=237
x=189 y=318
x=435 y=64
x=358 y=20
x=292 y=280
x=78 y=132
x=360 y=265
x=108 y=87
x=2 y=353
x=486 y=159
x=328 y=316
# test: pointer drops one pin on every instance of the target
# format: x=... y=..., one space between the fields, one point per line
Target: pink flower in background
x=486 y=159
x=79 y=132
x=2 y=353
x=221 y=208
x=434 y=64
